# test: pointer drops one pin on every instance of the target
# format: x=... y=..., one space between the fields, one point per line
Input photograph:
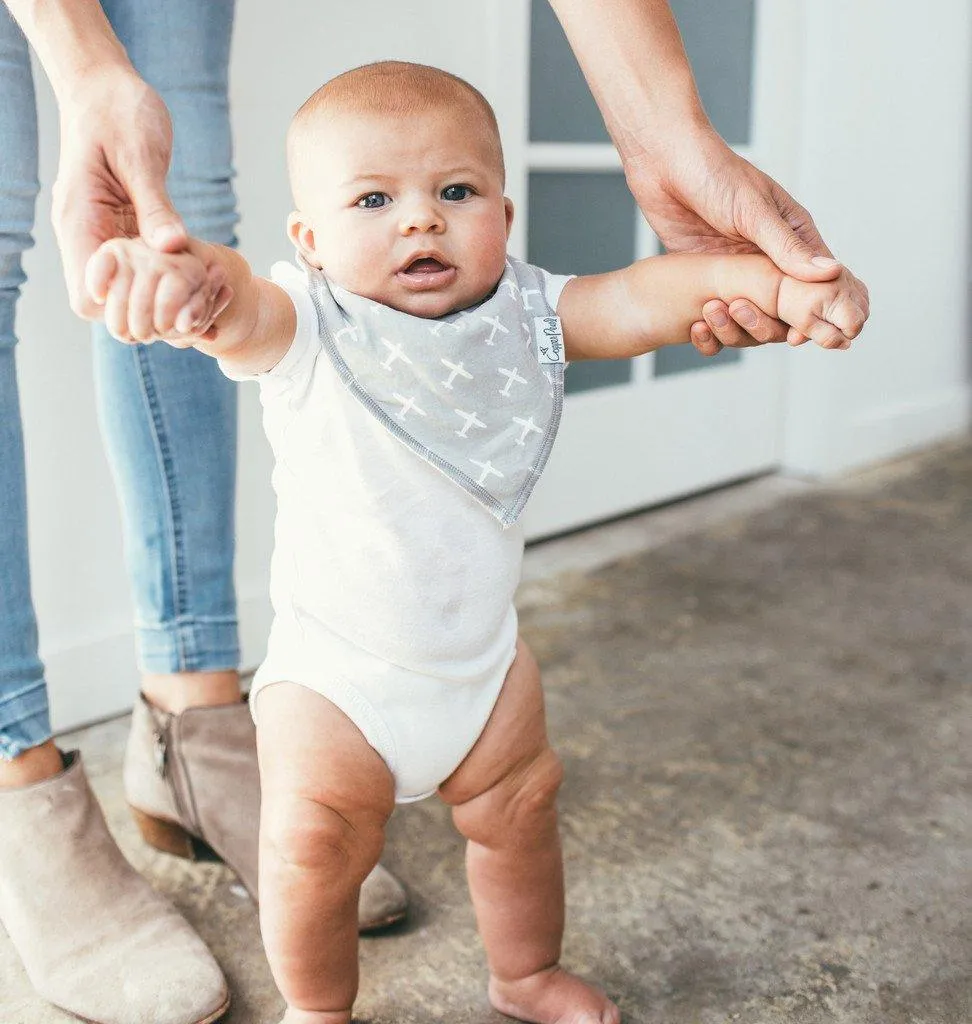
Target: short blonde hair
x=390 y=88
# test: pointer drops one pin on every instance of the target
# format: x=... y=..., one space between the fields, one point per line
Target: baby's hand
x=149 y=295
x=830 y=313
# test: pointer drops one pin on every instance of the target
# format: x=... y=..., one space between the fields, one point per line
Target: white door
x=647 y=430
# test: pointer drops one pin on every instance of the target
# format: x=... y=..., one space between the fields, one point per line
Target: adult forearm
x=71 y=38
x=632 y=56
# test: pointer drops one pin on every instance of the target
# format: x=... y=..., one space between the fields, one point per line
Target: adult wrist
x=670 y=126
x=92 y=74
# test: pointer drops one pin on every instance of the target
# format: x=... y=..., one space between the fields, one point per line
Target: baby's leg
x=503 y=797
x=326 y=797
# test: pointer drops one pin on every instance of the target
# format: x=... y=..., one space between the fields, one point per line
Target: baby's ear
x=508 y=203
x=302 y=235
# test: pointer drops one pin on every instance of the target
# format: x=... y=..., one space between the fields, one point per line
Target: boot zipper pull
x=161 y=752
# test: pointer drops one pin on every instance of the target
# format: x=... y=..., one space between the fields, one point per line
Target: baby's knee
x=301 y=834
x=521 y=804
x=537 y=792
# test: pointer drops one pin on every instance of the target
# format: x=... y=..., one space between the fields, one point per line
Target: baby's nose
x=422 y=216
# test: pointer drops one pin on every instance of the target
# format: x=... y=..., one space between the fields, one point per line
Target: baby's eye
x=456 y=193
x=373 y=201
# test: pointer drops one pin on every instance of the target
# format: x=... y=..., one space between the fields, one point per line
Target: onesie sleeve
x=298 y=361
x=553 y=285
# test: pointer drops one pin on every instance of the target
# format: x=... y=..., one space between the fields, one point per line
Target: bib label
x=550 y=339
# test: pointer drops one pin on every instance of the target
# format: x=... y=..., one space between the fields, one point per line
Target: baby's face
x=409 y=212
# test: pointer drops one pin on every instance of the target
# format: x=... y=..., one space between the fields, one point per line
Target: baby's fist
x=148 y=295
x=830 y=313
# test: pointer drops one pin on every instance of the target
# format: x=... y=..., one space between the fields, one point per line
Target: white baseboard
x=885 y=432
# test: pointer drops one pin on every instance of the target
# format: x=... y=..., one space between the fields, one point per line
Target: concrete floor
x=762 y=698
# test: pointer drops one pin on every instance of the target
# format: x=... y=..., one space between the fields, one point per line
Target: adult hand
x=116 y=142
x=700 y=196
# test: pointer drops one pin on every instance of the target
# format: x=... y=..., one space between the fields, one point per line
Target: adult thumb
x=159 y=226
x=787 y=234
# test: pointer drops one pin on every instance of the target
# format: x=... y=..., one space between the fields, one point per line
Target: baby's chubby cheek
x=494 y=249
x=357 y=271
x=486 y=259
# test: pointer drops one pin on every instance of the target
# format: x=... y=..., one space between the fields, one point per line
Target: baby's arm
x=654 y=302
x=248 y=325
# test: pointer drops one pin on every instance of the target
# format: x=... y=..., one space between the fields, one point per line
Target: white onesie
x=392 y=585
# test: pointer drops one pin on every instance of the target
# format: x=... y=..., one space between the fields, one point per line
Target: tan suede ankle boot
x=94 y=937
x=193 y=785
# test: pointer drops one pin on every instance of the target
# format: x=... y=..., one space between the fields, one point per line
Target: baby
x=411 y=376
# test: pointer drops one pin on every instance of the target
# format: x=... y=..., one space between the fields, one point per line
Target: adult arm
x=116 y=141
x=697 y=194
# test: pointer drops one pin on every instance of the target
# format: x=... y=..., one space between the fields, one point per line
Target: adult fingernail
x=746 y=317
x=718 y=318
x=824 y=262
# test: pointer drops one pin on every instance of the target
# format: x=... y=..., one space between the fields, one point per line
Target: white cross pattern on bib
x=408 y=404
x=456 y=370
x=394 y=352
x=472 y=420
x=512 y=377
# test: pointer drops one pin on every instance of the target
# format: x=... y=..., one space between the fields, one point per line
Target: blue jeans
x=168 y=417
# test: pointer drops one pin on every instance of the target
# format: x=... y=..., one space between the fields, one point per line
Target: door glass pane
x=718 y=38
x=582 y=223
x=596 y=373
x=684 y=358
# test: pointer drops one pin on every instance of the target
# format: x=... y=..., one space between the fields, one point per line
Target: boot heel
x=166 y=836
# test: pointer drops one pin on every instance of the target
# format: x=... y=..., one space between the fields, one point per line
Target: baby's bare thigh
x=515 y=734
x=310 y=749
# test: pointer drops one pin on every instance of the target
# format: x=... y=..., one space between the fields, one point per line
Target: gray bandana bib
x=477 y=394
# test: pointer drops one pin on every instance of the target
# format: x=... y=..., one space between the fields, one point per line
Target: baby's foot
x=553 y=996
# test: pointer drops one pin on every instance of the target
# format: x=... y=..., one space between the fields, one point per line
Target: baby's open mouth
x=427 y=273
x=425 y=265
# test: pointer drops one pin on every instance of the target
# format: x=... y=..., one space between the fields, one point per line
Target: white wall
x=884 y=167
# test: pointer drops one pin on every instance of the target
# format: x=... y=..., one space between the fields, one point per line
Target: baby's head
x=397 y=176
